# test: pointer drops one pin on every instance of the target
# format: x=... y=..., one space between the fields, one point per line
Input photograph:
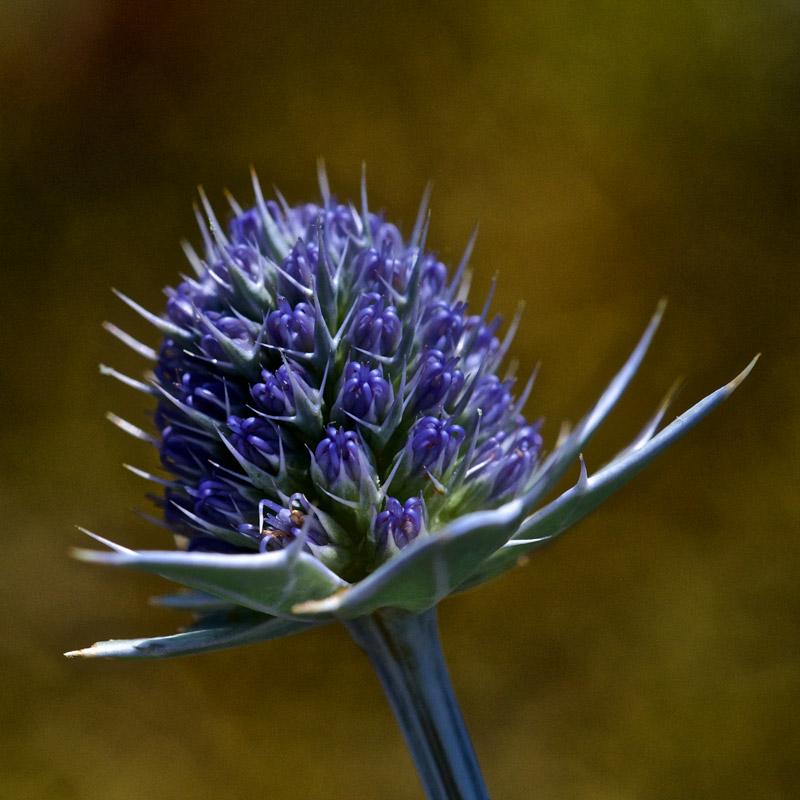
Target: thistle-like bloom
x=339 y=435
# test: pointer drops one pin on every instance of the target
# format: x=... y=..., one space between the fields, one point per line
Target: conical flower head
x=338 y=431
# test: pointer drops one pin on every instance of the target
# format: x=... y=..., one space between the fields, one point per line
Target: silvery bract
x=337 y=434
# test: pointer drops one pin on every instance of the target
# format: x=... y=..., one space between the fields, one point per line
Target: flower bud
x=337 y=460
x=399 y=524
x=218 y=502
x=291 y=327
x=275 y=396
x=376 y=327
x=229 y=326
x=437 y=380
x=442 y=326
x=365 y=394
x=297 y=273
x=257 y=440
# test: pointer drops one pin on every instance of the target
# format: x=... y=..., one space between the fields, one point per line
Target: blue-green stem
x=405 y=652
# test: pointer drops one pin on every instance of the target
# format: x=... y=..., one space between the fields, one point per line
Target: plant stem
x=407 y=656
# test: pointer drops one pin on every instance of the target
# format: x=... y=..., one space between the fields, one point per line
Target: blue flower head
x=339 y=431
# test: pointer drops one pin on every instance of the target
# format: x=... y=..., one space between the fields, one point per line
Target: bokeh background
x=613 y=153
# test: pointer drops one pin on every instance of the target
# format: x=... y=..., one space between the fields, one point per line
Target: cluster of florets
x=321 y=377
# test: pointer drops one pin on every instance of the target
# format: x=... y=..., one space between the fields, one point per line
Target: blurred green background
x=613 y=153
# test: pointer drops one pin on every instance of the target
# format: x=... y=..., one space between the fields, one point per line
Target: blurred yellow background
x=613 y=153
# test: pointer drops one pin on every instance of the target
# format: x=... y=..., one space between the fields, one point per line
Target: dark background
x=613 y=153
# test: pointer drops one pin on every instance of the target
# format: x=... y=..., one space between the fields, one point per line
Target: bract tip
x=743 y=374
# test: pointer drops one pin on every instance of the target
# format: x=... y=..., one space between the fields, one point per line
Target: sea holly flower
x=341 y=445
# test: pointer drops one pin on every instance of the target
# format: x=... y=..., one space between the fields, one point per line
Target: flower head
x=337 y=432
